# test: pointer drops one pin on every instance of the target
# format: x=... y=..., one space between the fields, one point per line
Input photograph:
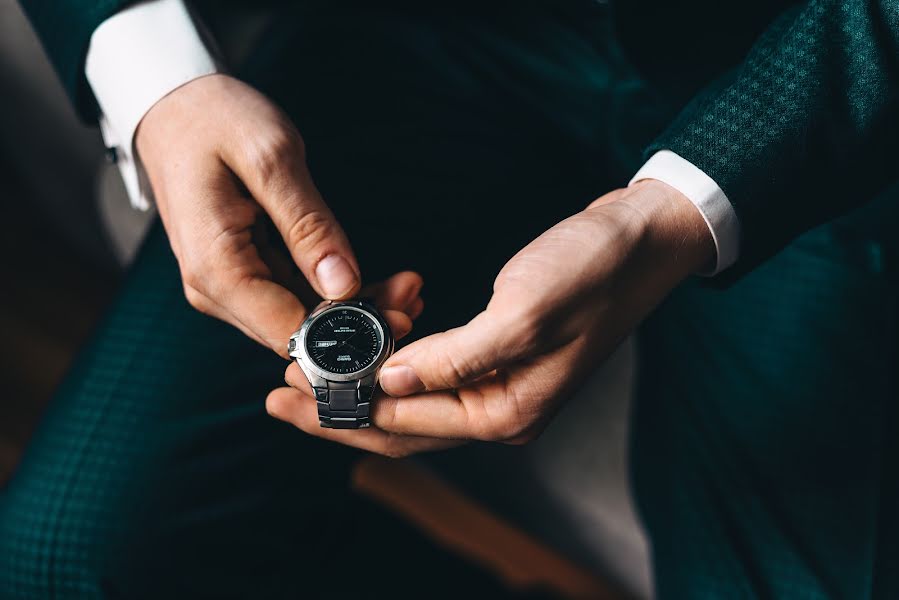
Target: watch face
x=344 y=340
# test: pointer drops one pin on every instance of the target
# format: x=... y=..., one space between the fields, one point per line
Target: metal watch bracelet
x=344 y=405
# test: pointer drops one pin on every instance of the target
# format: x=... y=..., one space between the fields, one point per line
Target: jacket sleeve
x=806 y=128
x=65 y=28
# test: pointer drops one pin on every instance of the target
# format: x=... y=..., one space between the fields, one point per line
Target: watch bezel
x=301 y=353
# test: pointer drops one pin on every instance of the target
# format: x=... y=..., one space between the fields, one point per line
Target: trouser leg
x=441 y=145
x=765 y=430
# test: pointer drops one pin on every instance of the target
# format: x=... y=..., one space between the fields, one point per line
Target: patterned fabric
x=764 y=441
x=764 y=448
x=157 y=473
x=805 y=128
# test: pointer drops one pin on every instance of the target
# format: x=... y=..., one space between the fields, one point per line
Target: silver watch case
x=319 y=377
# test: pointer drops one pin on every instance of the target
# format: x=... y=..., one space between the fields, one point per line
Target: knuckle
x=509 y=422
x=196 y=299
x=384 y=415
x=309 y=230
x=267 y=155
x=510 y=427
x=224 y=263
x=196 y=265
x=191 y=279
x=274 y=405
x=489 y=427
x=198 y=276
x=454 y=368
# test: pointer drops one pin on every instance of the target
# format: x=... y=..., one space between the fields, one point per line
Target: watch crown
x=291 y=345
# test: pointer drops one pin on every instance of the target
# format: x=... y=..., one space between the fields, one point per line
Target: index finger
x=499 y=406
x=268 y=310
x=299 y=409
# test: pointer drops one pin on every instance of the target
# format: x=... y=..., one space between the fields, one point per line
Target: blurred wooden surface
x=464 y=526
x=50 y=297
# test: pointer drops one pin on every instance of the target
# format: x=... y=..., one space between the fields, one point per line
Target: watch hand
x=346 y=342
x=353 y=347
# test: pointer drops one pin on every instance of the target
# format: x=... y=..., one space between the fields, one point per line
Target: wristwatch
x=341 y=347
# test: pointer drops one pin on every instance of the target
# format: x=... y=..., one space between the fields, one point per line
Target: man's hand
x=559 y=308
x=218 y=153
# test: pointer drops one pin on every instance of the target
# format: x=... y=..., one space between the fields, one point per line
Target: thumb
x=277 y=178
x=454 y=358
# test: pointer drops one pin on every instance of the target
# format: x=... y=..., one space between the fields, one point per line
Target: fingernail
x=400 y=381
x=335 y=276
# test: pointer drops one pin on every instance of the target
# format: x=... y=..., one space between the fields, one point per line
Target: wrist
x=182 y=106
x=671 y=228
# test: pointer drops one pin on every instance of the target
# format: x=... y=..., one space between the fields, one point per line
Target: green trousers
x=765 y=445
x=444 y=143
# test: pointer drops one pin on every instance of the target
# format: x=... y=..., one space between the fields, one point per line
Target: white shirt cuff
x=702 y=191
x=135 y=58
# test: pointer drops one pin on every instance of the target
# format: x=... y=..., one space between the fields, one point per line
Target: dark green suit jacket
x=795 y=105
x=788 y=107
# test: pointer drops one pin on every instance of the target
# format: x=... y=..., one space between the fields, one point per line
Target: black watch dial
x=344 y=340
